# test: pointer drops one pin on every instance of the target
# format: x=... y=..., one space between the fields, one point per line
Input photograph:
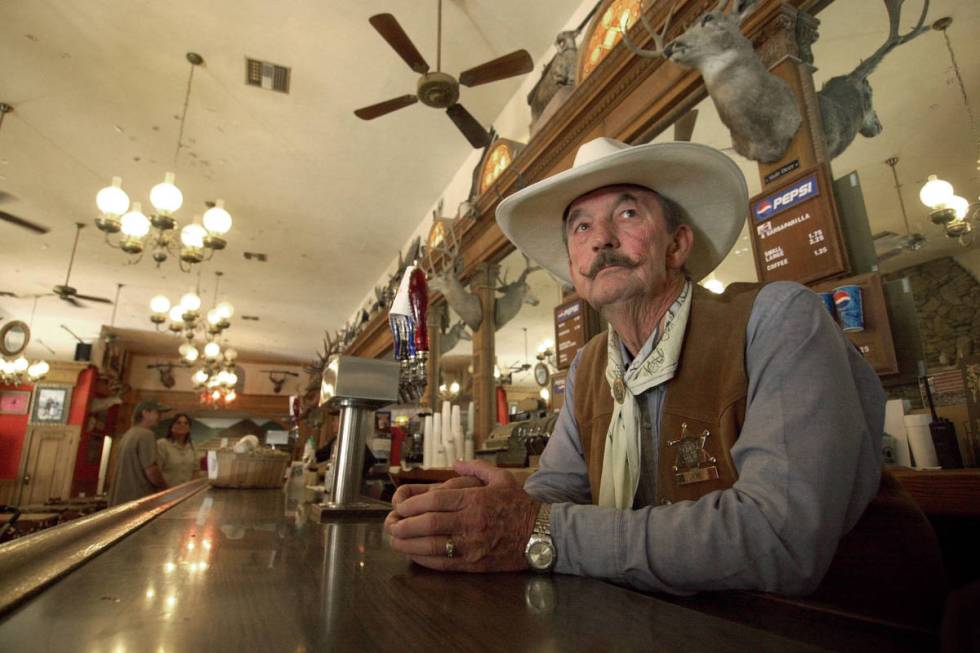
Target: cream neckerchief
x=621 y=457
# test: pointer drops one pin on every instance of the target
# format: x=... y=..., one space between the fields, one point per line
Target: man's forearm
x=155 y=476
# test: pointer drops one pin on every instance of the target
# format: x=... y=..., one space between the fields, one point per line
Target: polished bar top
x=244 y=570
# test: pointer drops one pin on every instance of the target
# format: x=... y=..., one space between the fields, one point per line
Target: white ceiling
x=97 y=87
x=330 y=198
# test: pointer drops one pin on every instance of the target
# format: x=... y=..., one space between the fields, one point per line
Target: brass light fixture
x=185 y=319
x=197 y=242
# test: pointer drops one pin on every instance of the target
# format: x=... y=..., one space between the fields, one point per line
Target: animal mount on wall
x=166 y=371
x=759 y=109
x=452 y=337
x=466 y=304
x=515 y=294
x=558 y=74
x=278 y=378
x=846 y=107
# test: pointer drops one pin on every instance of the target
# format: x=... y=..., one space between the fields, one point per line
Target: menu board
x=795 y=230
x=571 y=330
x=558 y=390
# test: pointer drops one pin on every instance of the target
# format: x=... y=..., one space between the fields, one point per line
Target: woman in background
x=178 y=459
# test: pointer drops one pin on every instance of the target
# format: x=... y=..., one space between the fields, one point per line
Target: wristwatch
x=540 y=550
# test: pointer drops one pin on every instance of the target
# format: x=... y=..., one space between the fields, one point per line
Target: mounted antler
x=894 y=8
x=658 y=38
x=515 y=294
x=846 y=107
x=461 y=300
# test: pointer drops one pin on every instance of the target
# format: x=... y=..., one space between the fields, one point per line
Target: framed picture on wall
x=14 y=402
x=50 y=404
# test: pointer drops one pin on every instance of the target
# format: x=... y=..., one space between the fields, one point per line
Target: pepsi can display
x=850 y=312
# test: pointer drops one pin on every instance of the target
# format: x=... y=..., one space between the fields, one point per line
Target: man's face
x=619 y=247
x=151 y=418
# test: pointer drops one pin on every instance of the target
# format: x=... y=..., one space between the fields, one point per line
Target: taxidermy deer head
x=516 y=293
x=466 y=304
x=759 y=109
x=845 y=101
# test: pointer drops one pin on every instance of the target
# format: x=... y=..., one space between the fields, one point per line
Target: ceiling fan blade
x=684 y=127
x=21 y=222
x=71 y=300
x=7 y=293
x=5 y=196
x=89 y=298
x=472 y=130
x=517 y=62
x=392 y=32
x=381 y=108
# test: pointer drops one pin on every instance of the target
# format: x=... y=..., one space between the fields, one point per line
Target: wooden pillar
x=785 y=48
x=435 y=318
x=483 y=284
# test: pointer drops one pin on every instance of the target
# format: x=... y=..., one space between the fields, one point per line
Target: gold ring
x=450 y=548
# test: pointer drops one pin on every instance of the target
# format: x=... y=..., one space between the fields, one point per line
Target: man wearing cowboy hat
x=706 y=442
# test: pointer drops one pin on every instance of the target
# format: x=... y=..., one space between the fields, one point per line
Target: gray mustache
x=607 y=258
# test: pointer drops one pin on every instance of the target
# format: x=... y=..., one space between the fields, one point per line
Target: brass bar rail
x=30 y=563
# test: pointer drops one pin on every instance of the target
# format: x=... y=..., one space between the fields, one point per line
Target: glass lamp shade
x=113 y=200
x=545 y=394
x=160 y=304
x=936 y=193
x=134 y=223
x=42 y=368
x=165 y=196
x=21 y=364
x=188 y=352
x=225 y=310
x=216 y=219
x=192 y=235
x=213 y=317
x=232 y=379
x=6 y=367
x=959 y=205
x=190 y=302
x=212 y=350
x=176 y=313
x=231 y=354
x=230 y=397
x=454 y=387
x=200 y=377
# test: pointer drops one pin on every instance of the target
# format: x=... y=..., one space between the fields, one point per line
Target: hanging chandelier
x=15 y=368
x=947 y=209
x=215 y=381
x=186 y=321
x=197 y=241
x=21 y=371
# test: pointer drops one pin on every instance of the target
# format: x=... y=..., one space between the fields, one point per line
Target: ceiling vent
x=267 y=75
x=255 y=256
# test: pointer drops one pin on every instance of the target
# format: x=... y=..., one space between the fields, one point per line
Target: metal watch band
x=542 y=523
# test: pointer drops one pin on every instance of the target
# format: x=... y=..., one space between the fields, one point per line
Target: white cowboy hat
x=706 y=184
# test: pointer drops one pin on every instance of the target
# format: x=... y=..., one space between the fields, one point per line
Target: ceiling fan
x=4 y=197
x=438 y=89
x=887 y=243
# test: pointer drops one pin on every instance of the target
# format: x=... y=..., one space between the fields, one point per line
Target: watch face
x=541 y=374
x=541 y=555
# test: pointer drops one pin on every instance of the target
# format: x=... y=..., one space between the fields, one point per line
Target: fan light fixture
x=196 y=243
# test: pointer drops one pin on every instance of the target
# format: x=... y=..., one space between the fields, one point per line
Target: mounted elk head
x=515 y=294
x=166 y=371
x=451 y=337
x=466 y=304
x=846 y=107
x=759 y=109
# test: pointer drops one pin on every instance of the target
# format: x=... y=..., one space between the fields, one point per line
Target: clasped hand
x=484 y=512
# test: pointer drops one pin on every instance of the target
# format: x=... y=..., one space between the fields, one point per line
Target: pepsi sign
x=797 y=192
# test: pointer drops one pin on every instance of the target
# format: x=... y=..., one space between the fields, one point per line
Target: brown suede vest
x=889 y=567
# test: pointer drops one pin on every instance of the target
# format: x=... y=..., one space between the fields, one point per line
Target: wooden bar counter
x=243 y=570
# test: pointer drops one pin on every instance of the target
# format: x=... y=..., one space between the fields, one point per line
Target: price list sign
x=795 y=233
x=570 y=331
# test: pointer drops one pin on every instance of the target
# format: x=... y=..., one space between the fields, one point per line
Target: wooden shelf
x=943 y=491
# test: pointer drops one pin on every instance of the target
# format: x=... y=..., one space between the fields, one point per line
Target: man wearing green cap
x=137 y=469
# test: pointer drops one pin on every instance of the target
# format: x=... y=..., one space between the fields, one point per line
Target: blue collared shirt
x=808 y=460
